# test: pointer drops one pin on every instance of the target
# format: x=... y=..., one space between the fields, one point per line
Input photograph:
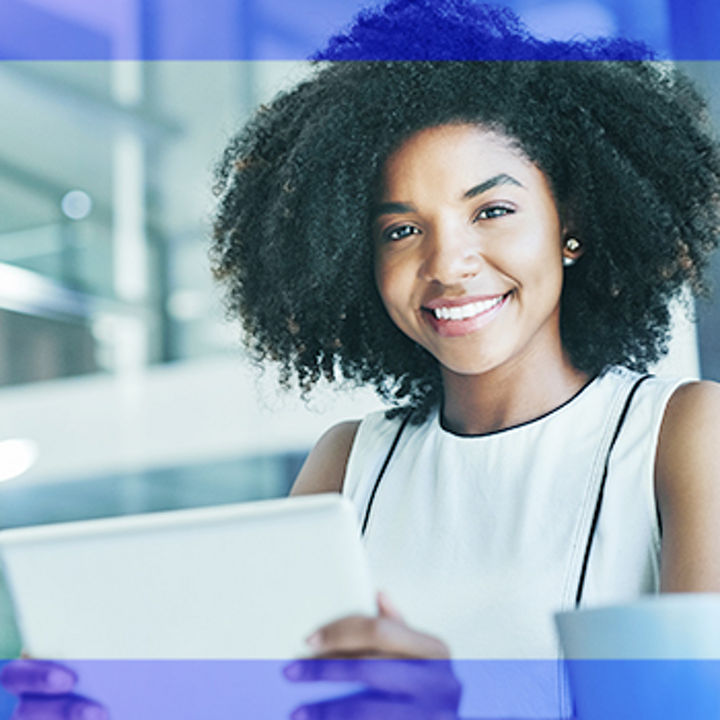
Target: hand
x=407 y=673
x=386 y=635
x=44 y=690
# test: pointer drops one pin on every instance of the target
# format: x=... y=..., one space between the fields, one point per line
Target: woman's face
x=469 y=249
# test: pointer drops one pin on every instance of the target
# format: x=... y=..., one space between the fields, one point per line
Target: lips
x=459 y=316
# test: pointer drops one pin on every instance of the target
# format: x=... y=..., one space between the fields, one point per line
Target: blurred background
x=122 y=387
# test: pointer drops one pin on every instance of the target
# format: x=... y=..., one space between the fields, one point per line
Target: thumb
x=387 y=609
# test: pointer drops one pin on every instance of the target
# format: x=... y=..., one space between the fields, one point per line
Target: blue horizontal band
x=291 y=30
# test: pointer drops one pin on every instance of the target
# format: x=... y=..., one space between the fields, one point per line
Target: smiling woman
x=494 y=247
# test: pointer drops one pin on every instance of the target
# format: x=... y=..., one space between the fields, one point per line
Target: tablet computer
x=235 y=581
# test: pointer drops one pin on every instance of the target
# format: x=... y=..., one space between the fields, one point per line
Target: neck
x=509 y=395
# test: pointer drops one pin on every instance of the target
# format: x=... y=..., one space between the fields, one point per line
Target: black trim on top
x=382 y=472
x=601 y=491
x=565 y=403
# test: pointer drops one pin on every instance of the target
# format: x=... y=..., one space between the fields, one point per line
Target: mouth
x=453 y=318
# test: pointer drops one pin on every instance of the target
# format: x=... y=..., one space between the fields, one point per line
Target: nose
x=451 y=255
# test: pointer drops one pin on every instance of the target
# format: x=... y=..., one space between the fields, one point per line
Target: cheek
x=395 y=288
x=388 y=280
x=381 y=280
x=390 y=294
x=546 y=279
x=543 y=264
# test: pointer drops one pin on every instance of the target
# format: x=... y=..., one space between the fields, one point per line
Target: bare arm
x=687 y=486
x=324 y=469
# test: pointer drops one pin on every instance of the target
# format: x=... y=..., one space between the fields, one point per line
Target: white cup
x=657 y=658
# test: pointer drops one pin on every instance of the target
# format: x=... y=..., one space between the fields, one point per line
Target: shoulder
x=324 y=468
x=687 y=483
x=690 y=424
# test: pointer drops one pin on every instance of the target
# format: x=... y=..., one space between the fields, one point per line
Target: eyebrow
x=392 y=208
x=501 y=179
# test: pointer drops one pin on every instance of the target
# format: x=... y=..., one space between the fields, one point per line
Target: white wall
x=169 y=415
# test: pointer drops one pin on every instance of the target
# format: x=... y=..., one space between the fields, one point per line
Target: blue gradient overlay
x=280 y=29
x=392 y=689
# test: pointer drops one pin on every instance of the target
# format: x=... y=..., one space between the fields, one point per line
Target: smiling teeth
x=463 y=312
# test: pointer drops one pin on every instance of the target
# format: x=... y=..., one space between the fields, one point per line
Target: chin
x=469 y=368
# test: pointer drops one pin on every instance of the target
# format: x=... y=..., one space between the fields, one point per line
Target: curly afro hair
x=632 y=164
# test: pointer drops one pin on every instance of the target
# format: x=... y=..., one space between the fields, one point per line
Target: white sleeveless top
x=480 y=539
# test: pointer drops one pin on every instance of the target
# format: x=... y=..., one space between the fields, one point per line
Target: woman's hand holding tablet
x=406 y=673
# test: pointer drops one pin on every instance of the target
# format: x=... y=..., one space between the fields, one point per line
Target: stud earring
x=572 y=244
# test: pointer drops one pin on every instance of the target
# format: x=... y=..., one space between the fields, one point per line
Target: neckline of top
x=461 y=436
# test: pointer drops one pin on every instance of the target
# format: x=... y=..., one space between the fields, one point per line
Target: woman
x=494 y=247
x=484 y=242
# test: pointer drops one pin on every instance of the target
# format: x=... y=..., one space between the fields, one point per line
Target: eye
x=493 y=211
x=400 y=232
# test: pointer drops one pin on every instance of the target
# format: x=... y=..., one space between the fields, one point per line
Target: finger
x=387 y=609
x=326 y=669
x=370 y=706
x=37 y=676
x=433 y=680
x=372 y=636
x=59 y=707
